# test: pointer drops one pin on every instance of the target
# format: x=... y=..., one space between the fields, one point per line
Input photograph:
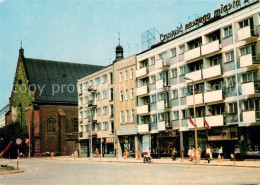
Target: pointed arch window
x=51 y=125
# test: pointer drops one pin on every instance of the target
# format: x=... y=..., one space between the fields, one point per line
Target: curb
x=206 y=164
x=11 y=172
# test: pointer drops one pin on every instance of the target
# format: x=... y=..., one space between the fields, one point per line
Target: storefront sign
x=224 y=133
x=168 y=134
x=109 y=140
x=223 y=10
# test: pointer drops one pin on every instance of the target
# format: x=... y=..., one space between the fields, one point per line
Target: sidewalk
x=215 y=162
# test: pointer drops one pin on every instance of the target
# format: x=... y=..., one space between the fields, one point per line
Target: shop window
x=51 y=125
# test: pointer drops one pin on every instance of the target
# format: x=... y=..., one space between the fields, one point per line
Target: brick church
x=44 y=100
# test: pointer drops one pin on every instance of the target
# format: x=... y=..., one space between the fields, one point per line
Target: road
x=48 y=171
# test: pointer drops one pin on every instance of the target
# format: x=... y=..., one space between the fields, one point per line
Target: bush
x=6 y=167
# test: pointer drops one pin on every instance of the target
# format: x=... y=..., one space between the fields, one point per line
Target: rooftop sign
x=223 y=10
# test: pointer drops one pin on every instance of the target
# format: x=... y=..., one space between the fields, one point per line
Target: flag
x=27 y=141
x=206 y=123
x=5 y=150
x=192 y=122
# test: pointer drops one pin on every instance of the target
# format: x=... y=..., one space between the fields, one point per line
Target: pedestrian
x=52 y=154
x=174 y=153
x=190 y=153
x=75 y=154
x=193 y=154
x=182 y=153
x=149 y=154
x=208 y=153
x=211 y=153
x=97 y=153
x=138 y=154
x=125 y=153
x=199 y=154
x=220 y=154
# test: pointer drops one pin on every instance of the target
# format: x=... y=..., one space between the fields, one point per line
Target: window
x=184 y=114
x=184 y=92
x=243 y=23
x=154 y=118
x=153 y=100
x=174 y=94
x=175 y=115
x=104 y=78
x=183 y=70
x=247 y=50
x=153 y=79
x=174 y=73
x=249 y=77
x=228 y=31
x=163 y=55
x=91 y=82
x=86 y=85
x=182 y=49
x=105 y=110
x=81 y=115
x=232 y=107
x=51 y=125
x=126 y=94
x=104 y=94
x=75 y=125
x=131 y=74
x=173 y=52
x=132 y=93
x=121 y=96
x=98 y=96
x=105 y=126
x=231 y=81
x=98 y=125
x=133 y=115
x=121 y=117
x=120 y=77
x=215 y=61
x=80 y=101
x=80 y=86
x=98 y=111
x=97 y=81
x=152 y=60
x=230 y=56
x=127 y=116
x=126 y=75
x=249 y=105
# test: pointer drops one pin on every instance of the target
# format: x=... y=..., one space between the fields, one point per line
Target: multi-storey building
x=124 y=104
x=3 y=111
x=221 y=57
x=96 y=112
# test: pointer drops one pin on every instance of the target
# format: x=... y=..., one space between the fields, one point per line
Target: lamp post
x=194 y=113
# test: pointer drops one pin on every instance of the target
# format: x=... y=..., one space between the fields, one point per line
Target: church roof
x=57 y=79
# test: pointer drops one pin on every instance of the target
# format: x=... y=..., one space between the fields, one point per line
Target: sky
x=84 y=31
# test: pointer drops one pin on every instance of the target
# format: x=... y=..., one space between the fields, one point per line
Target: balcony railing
x=248 y=60
x=160 y=84
x=214 y=121
x=161 y=125
x=210 y=47
x=144 y=128
x=192 y=54
x=162 y=64
x=249 y=88
x=92 y=103
x=199 y=122
x=212 y=71
x=143 y=109
x=142 y=72
x=175 y=123
x=195 y=75
x=213 y=96
x=198 y=99
x=247 y=33
x=250 y=116
x=142 y=90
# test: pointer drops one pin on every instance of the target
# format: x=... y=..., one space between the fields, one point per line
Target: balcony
x=246 y=34
x=184 y=125
x=250 y=88
x=210 y=47
x=192 y=54
x=213 y=96
x=211 y=71
x=141 y=91
x=92 y=103
x=215 y=121
x=250 y=116
x=160 y=84
x=248 y=60
x=154 y=128
x=162 y=64
x=175 y=124
x=199 y=123
x=195 y=75
x=198 y=99
x=143 y=109
x=160 y=105
x=143 y=72
x=144 y=128
x=161 y=126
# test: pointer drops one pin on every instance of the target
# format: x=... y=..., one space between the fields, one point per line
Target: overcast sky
x=84 y=31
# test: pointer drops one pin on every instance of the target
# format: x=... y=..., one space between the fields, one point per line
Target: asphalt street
x=48 y=171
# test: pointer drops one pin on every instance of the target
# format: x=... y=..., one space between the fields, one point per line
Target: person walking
x=174 y=153
x=190 y=153
x=193 y=154
x=138 y=154
x=125 y=153
x=97 y=153
x=208 y=153
x=220 y=154
x=182 y=153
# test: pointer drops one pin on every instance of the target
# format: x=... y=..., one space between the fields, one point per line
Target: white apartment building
x=95 y=108
x=221 y=56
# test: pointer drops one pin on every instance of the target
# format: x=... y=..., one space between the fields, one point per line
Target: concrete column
x=181 y=140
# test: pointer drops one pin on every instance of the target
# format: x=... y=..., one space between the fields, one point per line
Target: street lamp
x=194 y=112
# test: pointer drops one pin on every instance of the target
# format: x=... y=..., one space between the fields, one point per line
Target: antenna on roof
x=119 y=38
x=21 y=44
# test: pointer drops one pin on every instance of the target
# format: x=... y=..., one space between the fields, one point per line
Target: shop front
x=251 y=138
